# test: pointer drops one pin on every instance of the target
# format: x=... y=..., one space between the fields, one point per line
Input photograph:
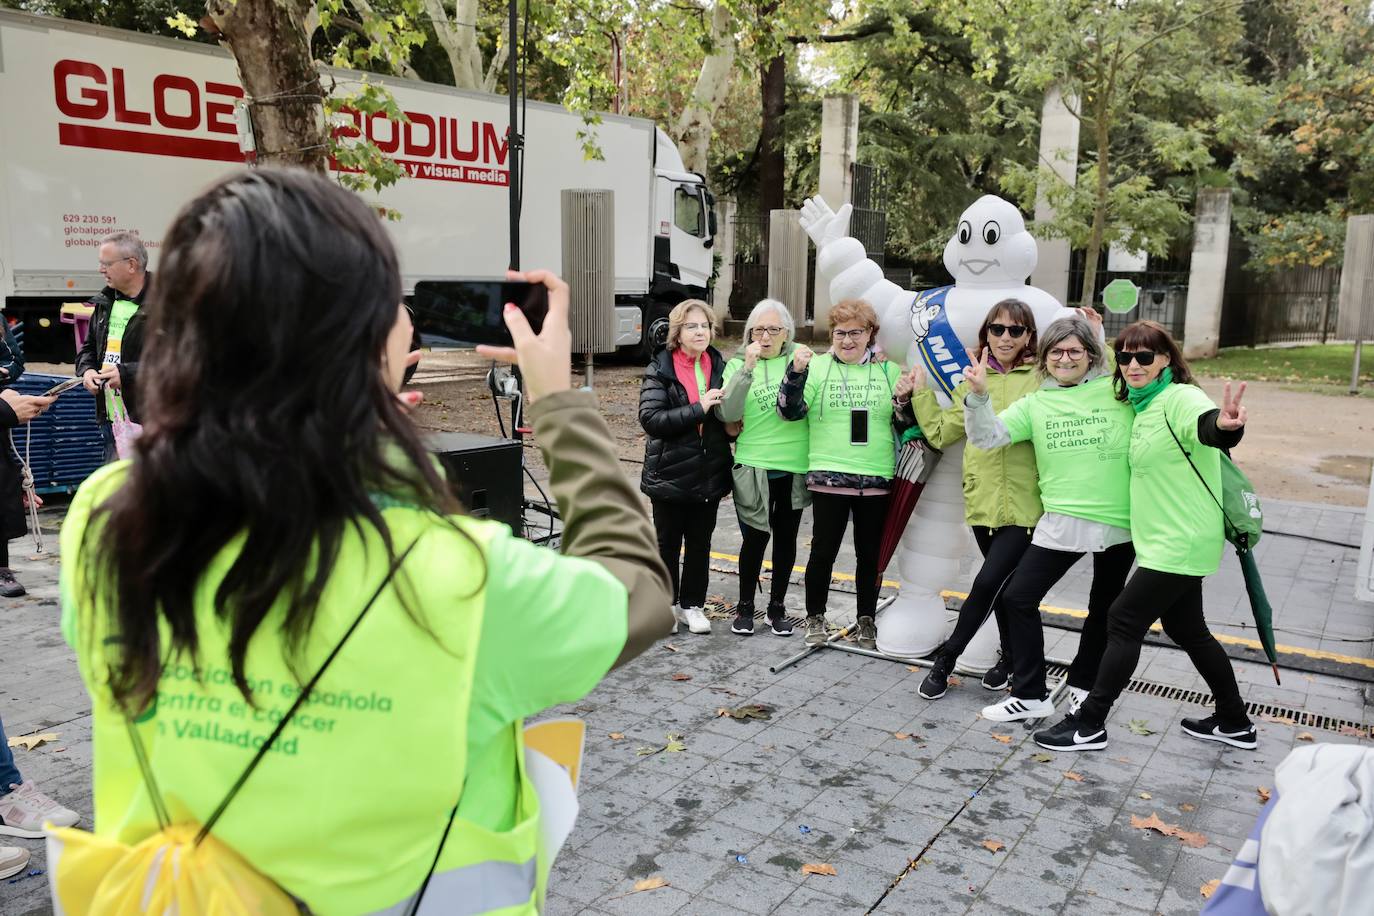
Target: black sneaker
x=1068 y=736
x=1212 y=729
x=777 y=619
x=998 y=677
x=9 y=586
x=744 y=620
x=868 y=633
x=937 y=681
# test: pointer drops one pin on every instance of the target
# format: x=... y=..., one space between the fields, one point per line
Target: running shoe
x=868 y=633
x=1213 y=729
x=24 y=810
x=1069 y=735
x=815 y=630
x=744 y=620
x=1014 y=709
x=998 y=677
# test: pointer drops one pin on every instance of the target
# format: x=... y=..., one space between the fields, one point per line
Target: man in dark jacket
x=109 y=358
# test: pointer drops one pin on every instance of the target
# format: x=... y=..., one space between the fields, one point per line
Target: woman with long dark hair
x=1176 y=526
x=686 y=454
x=278 y=504
x=1001 y=500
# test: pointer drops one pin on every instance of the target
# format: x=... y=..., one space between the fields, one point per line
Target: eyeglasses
x=1142 y=357
x=109 y=264
x=696 y=326
x=1014 y=331
x=856 y=334
x=767 y=332
x=1073 y=353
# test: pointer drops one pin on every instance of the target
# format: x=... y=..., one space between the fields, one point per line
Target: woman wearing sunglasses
x=1080 y=433
x=847 y=397
x=1177 y=531
x=1001 y=501
x=770 y=462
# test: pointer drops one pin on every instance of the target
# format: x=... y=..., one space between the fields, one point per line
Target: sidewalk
x=828 y=759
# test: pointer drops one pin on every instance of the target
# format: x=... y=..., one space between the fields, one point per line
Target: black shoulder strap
x=1200 y=478
x=141 y=754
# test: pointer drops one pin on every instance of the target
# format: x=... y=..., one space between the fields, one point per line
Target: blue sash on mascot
x=941 y=351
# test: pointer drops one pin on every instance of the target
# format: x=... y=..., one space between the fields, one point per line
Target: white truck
x=104 y=130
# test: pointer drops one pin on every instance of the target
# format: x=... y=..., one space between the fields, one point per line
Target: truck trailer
x=104 y=130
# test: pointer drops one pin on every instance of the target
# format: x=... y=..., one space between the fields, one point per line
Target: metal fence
x=751 y=264
x=1163 y=290
x=1297 y=305
x=869 y=222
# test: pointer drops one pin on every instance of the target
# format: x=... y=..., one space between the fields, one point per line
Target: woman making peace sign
x=1177 y=531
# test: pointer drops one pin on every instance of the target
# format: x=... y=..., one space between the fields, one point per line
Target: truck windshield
x=688 y=213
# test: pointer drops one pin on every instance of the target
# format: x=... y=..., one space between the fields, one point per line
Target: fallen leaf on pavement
x=682 y=677
x=1187 y=806
x=649 y=884
x=818 y=868
x=1210 y=887
x=670 y=647
x=1042 y=758
x=1305 y=736
x=900 y=736
x=914 y=669
x=1281 y=720
x=675 y=744
x=1187 y=838
x=1352 y=731
x=616 y=736
x=646 y=750
x=956 y=681
x=994 y=845
x=1146 y=795
x=29 y=742
x=1122 y=759
x=1264 y=793
x=1076 y=777
x=1005 y=739
x=748 y=711
x=1140 y=727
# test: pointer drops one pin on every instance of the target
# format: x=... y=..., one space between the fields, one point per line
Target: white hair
x=789 y=327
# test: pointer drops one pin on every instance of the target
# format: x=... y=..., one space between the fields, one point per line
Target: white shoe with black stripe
x=1077 y=695
x=1014 y=709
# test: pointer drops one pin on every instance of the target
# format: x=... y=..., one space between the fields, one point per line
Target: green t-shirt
x=768 y=441
x=833 y=391
x=1081 y=437
x=1175 y=525
x=120 y=313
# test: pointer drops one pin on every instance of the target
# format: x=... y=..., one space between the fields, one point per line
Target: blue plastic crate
x=64 y=444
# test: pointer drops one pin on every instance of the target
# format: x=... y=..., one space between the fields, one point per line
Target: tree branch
x=1182 y=25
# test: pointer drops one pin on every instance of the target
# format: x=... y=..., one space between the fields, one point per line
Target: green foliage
x=152 y=17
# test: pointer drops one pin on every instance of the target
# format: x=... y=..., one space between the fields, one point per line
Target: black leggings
x=783 y=521
x=692 y=523
x=829 y=517
x=1002 y=549
x=1037 y=573
x=1176 y=601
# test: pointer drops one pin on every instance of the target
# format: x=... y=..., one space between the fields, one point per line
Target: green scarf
x=1141 y=397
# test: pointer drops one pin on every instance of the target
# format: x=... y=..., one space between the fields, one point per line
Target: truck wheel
x=655 y=330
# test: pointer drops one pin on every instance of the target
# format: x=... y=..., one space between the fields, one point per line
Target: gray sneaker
x=815 y=629
x=868 y=633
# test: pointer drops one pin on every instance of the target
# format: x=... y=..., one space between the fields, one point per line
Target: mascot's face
x=991 y=248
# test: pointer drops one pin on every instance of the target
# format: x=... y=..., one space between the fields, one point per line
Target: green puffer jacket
x=1000 y=485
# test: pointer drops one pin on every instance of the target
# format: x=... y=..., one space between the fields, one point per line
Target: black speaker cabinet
x=485 y=474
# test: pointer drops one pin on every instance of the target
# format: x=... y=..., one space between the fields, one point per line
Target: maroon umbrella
x=915 y=464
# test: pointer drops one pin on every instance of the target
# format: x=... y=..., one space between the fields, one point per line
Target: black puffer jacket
x=680 y=464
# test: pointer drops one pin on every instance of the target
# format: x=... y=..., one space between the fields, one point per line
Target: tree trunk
x=713 y=82
x=286 y=102
x=772 y=165
x=1099 y=210
x=458 y=36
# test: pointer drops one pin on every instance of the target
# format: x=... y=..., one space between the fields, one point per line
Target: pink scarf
x=685 y=368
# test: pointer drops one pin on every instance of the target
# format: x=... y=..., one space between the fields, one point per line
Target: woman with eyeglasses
x=686 y=454
x=848 y=398
x=1176 y=526
x=770 y=462
x=1080 y=433
x=1001 y=501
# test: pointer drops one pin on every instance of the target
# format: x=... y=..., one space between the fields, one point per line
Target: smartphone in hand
x=61 y=387
x=464 y=313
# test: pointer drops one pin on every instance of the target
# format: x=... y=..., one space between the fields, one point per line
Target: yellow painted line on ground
x=1320 y=654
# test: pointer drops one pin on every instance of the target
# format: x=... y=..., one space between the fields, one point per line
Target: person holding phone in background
x=847 y=397
x=686 y=454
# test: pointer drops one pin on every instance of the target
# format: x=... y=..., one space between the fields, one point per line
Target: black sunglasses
x=1014 y=331
x=1143 y=357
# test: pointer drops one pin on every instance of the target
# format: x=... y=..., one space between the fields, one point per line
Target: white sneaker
x=1013 y=709
x=24 y=811
x=696 y=620
x=677 y=619
x=1076 y=697
x=13 y=860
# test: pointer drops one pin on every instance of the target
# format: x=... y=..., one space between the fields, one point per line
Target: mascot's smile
x=979 y=265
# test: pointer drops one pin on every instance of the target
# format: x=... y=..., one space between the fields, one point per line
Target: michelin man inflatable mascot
x=990 y=256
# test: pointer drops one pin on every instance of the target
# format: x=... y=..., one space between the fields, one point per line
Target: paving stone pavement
x=729 y=821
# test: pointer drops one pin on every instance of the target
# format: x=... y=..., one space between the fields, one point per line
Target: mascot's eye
x=965 y=232
x=991 y=232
